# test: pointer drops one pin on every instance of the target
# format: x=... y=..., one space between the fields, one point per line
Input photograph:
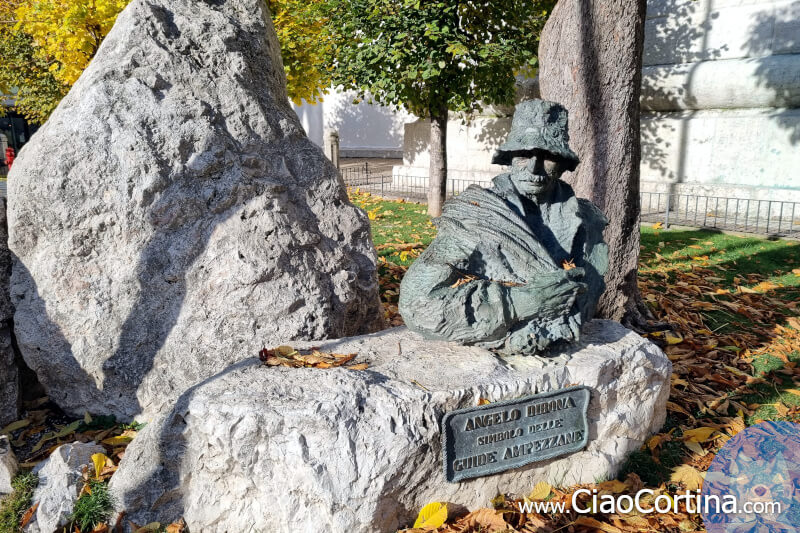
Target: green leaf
x=14 y=426
x=68 y=430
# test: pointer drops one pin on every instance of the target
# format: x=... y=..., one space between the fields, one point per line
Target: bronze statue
x=519 y=266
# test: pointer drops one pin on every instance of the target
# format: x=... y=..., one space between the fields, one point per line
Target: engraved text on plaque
x=480 y=441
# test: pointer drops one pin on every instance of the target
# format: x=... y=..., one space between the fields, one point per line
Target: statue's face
x=535 y=176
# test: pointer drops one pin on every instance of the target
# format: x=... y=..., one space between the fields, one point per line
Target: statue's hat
x=537 y=125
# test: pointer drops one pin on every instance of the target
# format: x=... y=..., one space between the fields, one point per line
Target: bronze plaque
x=492 y=438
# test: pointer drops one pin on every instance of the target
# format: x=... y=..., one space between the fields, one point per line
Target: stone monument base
x=274 y=449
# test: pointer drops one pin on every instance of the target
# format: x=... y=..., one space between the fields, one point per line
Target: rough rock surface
x=8 y=466
x=9 y=375
x=188 y=221
x=59 y=483
x=275 y=449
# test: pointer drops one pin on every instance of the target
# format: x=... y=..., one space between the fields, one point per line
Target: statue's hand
x=549 y=295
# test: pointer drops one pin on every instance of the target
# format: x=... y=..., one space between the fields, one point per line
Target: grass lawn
x=734 y=340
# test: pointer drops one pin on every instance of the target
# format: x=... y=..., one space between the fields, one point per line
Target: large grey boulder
x=273 y=449
x=9 y=374
x=60 y=481
x=172 y=217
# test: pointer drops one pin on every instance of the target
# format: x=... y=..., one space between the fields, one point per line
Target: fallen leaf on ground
x=289 y=357
x=432 y=516
x=687 y=475
x=673 y=337
x=149 y=528
x=177 y=527
x=541 y=491
x=120 y=440
x=591 y=522
x=614 y=486
x=99 y=460
x=701 y=434
x=696 y=448
x=14 y=426
x=26 y=518
x=488 y=520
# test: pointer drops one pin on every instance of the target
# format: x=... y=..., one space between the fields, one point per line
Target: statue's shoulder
x=590 y=213
x=501 y=184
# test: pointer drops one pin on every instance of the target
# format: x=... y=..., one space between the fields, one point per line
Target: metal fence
x=773 y=218
x=407 y=187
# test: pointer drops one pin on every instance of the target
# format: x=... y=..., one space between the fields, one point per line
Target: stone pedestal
x=276 y=449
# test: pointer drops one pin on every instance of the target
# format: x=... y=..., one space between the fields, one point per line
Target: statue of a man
x=520 y=265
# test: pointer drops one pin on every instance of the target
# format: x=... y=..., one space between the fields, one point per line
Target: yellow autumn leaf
x=120 y=440
x=540 y=491
x=498 y=501
x=99 y=460
x=781 y=409
x=658 y=225
x=687 y=475
x=673 y=337
x=432 y=516
x=696 y=448
x=636 y=521
x=654 y=441
x=701 y=434
x=736 y=425
x=614 y=486
x=285 y=350
x=793 y=391
x=765 y=286
x=596 y=524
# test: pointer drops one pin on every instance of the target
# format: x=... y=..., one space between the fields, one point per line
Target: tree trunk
x=437 y=181
x=591 y=62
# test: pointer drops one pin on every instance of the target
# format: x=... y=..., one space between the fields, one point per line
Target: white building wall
x=721 y=97
x=365 y=130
